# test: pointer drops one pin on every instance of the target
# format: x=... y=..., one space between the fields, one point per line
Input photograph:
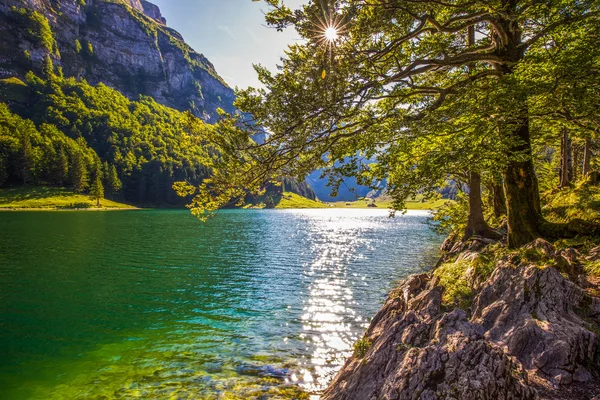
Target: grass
x=293 y=200
x=385 y=202
x=361 y=347
x=49 y=198
x=458 y=278
x=581 y=201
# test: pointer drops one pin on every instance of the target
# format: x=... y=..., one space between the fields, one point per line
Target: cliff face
x=122 y=43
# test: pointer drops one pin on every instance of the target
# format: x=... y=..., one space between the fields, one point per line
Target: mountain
x=125 y=44
x=95 y=91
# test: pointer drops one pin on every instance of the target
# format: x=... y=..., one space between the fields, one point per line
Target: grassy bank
x=384 y=202
x=292 y=200
x=48 y=198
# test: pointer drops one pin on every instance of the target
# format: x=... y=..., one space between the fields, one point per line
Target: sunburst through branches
x=328 y=27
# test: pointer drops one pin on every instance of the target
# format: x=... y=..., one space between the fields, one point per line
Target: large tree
x=375 y=77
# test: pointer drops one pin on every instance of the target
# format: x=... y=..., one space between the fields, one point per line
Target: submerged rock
x=262 y=370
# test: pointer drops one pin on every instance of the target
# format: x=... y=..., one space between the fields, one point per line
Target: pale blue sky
x=230 y=33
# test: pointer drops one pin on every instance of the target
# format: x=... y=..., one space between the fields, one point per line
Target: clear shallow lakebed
x=157 y=304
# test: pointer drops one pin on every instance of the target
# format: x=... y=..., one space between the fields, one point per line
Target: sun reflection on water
x=330 y=321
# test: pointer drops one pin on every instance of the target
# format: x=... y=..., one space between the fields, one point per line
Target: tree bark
x=476 y=225
x=587 y=157
x=522 y=193
x=566 y=160
x=499 y=200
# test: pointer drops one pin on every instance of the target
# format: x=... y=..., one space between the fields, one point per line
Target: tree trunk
x=476 y=225
x=499 y=200
x=587 y=157
x=566 y=161
x=521 y=190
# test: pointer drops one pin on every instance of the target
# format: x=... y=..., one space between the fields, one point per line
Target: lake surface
x=157 y=304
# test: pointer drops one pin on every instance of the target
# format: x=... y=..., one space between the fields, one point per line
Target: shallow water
x=156 y=304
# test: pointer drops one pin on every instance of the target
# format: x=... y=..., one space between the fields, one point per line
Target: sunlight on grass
x=39 y=197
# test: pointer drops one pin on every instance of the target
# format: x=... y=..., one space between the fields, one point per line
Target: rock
x=544 y=246
x=133 y=52
x=537 y=316
x=474 y=244
x=418 y=352
x=262 y=370
x=449 y=243
x=213 y=367
x=152 y=11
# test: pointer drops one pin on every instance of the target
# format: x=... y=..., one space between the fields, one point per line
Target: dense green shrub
x=36 y=26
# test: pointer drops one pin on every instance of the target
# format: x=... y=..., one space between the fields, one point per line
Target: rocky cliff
x=122 y=43
x=531 y=331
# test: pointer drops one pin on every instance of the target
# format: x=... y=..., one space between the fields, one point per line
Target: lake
x=157 y=304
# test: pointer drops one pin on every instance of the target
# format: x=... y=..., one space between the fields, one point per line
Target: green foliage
x=88 y=49
x=458 y=278
x=293 y=200
x=451 y=217
x=35 y=155
x=592 y=268
x=408 y=96
x=97 y=188
x=48 y=68
x=362 y=346
x=148 y=146
x=77 y=46
x=36 y=26
x=580 y=202
x=111 y=179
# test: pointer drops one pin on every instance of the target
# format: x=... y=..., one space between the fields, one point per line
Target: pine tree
x=25 y=158
x=61 y=167
x=97 y=189
x=3 y=171
x=79 y=175
x=111 y=180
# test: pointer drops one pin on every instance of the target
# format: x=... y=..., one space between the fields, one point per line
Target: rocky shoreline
x=532 y=331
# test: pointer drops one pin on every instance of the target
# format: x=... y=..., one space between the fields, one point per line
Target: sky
x=232 y=34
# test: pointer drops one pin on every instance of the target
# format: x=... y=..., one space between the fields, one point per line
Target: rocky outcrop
x=531 y=333
x=121 y=43
x=419 y=352
x=542 y=319
x=152 y=11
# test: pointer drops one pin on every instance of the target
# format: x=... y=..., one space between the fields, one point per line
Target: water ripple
x=152 y=304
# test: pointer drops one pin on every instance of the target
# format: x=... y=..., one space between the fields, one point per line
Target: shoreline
x=74 y=209
x=517 y=313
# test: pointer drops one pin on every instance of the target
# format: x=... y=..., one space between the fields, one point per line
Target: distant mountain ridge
x=124 y=44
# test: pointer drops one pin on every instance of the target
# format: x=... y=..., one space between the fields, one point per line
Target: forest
x=64 y=132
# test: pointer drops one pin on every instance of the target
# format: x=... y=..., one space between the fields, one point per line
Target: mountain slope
x=124 y=44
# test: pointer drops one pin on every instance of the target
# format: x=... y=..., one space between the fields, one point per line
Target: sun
x=331 y=34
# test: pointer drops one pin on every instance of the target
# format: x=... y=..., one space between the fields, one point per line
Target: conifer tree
x=97 y=189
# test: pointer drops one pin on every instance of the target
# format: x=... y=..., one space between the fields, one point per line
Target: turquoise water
x=157 y=304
